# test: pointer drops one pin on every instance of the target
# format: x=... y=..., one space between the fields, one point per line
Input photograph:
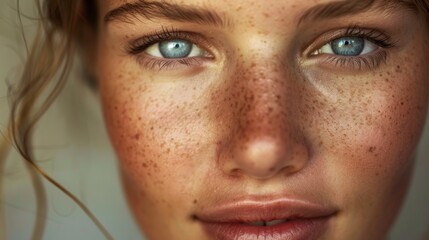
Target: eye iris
x=348 y=46
x=175 y=48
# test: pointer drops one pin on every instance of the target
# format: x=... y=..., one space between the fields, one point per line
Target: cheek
x=156 y=129
x=369 y=133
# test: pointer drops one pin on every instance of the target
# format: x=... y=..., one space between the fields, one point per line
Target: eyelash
x=137 y=47
x=372 y=60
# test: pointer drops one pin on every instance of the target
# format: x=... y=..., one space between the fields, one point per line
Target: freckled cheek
x=374 y=137
x=158 y=137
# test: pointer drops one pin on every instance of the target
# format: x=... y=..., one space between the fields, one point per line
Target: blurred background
x=72 y=146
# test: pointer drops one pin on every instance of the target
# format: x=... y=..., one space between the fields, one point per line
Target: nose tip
x=265 y=158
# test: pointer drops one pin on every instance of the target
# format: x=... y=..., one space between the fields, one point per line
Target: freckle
x=398 y=69
x=144 y=165
x=137 y=136
x=195 y=201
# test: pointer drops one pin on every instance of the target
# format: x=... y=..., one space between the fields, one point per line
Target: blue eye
x=347 y=47
x=175 y=48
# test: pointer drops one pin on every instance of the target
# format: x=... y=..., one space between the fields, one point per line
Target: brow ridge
x=153 y=10
x=343 y=8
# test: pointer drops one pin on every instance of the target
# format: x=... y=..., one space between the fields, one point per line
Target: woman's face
x=230 y=117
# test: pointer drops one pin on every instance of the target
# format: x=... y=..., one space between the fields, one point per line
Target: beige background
x=73 y=148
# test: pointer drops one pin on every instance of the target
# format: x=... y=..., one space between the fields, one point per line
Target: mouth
x=266 y=223
x=284 y=219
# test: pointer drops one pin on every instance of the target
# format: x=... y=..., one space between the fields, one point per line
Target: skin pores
x=260 y=115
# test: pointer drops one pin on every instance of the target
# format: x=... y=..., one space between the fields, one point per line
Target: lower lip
x=301 y=229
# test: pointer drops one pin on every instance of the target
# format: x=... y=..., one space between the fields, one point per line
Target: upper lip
x=251 y=210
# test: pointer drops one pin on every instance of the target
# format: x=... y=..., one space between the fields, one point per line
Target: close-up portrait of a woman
x=224 y=119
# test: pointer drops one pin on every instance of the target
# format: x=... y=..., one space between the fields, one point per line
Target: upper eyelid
x=379 y=36
x=144 y=41
x=375 y=36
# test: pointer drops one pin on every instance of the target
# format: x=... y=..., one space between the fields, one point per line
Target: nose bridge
x=262 y=100
x=263 y=86
x=263 y=141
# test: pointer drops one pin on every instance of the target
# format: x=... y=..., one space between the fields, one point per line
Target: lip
x=230 y=221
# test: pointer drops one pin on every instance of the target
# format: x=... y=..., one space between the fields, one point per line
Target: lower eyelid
x=155 y=63
x=369 y=61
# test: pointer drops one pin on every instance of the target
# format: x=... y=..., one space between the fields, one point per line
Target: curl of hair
x=48 y=63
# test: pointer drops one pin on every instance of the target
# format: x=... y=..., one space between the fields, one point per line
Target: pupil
x=175 y=48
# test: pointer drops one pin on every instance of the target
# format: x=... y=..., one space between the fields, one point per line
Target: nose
x=264 y=138
x=263 y=158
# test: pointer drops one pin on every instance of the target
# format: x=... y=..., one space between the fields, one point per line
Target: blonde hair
x=48 y=63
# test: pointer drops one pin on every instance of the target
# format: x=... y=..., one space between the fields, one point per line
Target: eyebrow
x=183 y=13
x=154 y=9
x=343 y=8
